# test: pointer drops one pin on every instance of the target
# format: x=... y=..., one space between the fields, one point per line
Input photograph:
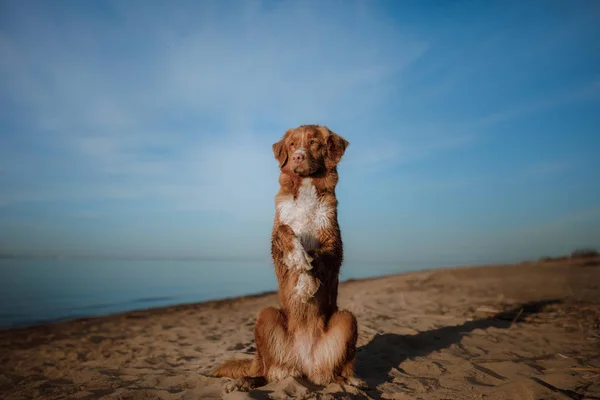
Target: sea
x=35 y=291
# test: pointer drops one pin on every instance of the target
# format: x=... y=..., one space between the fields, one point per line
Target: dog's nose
x=297 y=157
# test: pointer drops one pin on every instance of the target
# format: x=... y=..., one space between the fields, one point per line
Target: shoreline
x=224 y=300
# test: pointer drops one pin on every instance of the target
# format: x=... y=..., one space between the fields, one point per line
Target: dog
x=308 y=337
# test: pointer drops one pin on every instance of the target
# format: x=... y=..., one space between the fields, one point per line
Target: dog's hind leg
x=334 y=353
x=270 y=335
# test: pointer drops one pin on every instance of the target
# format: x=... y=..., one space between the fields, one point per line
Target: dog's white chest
x=306 y=214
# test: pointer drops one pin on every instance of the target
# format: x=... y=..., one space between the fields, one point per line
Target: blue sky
x=145 y=127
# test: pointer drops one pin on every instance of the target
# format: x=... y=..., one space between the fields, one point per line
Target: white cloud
x=412 y=143
x=59 y=193
x=589 y=91
x=192 y=92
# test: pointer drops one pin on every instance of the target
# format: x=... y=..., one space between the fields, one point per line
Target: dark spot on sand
x=98 y=393
x=238 y=346
x=97 y=339
x=110 y=373
x=54 y=383
x=188 y=358
x=475 y=382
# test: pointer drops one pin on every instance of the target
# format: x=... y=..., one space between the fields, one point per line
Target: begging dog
x=308 y=337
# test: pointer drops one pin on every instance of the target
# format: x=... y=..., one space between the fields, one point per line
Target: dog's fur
x=308 y=336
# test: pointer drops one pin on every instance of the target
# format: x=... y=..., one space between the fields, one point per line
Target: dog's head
x=309 y=149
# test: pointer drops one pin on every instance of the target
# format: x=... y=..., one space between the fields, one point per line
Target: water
x=36 y=290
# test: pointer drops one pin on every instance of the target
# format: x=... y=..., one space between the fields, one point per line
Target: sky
x=144 y=128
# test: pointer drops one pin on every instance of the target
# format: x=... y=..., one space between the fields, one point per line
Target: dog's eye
x=312 y=141
x=292 y=144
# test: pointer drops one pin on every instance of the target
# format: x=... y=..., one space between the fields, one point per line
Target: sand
x=528 y=331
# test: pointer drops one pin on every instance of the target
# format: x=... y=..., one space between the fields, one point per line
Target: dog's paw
x=306 y=287
x=232 y=386
x=242 y=385
x=356 y=382
x=351 y=381
x=298 y=258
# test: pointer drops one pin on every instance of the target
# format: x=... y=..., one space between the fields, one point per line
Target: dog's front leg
x=327 y=258
x=297 y=261
x=306 y=286
x=295 y=256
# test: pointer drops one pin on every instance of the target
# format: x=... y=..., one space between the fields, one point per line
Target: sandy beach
x=527 y=331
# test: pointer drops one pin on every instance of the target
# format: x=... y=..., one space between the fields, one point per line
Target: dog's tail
x=237 y=369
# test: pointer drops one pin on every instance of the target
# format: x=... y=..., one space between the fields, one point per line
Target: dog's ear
x=336 y=147
x=280 y=151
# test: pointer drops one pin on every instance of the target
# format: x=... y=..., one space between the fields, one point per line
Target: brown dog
x=309 y=336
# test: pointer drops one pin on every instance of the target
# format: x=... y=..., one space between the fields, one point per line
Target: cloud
x=59 y=193
x=170 y=109
x=417 y=141
x=407 y=143
x=162 y=112
x=322 y=66
x=240 y=69
x=589 y=91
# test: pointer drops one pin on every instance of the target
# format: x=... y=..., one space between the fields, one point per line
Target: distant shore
x=528 y=330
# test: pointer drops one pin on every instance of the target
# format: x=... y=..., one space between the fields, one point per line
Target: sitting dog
x=308 y=337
